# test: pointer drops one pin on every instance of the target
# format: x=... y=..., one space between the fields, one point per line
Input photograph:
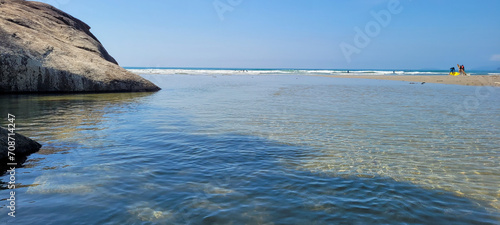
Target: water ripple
x=266 y=150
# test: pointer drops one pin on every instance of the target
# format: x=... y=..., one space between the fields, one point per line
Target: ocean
x=262 y=147
x=253 y=71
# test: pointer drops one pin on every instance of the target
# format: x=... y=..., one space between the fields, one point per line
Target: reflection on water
x=261 y=150
x=54 y=119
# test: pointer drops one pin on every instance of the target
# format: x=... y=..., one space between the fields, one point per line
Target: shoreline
x=476 y=80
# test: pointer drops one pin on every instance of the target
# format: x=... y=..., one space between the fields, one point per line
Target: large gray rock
x=24 y=147
x=43 y=49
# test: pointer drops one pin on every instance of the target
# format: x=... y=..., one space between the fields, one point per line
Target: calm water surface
x=261 y=150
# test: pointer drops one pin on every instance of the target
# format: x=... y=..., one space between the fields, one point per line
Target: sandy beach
x=477 y=80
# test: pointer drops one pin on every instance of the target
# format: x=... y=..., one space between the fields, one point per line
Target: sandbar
x=475 y=80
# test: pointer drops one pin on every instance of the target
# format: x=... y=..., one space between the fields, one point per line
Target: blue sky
x=418 y=34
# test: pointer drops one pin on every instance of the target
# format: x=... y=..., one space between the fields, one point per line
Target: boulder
x=24 y=147
x=43 y=49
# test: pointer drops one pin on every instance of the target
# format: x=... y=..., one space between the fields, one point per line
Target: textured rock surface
x=24 y=147
x=43 y=49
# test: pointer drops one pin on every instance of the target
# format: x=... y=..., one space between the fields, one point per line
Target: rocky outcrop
x=23 y=148
x=43 y=49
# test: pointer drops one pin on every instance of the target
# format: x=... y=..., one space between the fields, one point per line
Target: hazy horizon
x=290 y=68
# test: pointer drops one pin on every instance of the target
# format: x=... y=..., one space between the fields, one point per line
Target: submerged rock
x=43 y=49
x=24 y=147
x=144 y=212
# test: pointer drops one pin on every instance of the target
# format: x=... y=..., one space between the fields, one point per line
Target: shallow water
x=261 y=150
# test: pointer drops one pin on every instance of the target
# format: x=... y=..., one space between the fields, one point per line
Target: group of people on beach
x=461 y=69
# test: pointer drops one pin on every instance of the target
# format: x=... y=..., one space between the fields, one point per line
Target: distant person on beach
x=462 y=70
x=452 y=69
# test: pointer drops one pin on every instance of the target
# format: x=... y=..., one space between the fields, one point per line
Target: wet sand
x=476 y=80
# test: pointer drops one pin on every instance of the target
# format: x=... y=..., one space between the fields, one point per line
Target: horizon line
x=282 y=68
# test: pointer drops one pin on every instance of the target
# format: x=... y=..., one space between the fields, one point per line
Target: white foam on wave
x=213 y=72
x=196 y=72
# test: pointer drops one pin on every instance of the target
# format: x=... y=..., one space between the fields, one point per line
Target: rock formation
x=43 y=49
x=24 y=147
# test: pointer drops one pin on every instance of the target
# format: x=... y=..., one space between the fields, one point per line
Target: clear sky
x=330 y=34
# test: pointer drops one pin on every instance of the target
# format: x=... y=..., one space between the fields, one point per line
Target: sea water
x=335 y=72
x=260 y=149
